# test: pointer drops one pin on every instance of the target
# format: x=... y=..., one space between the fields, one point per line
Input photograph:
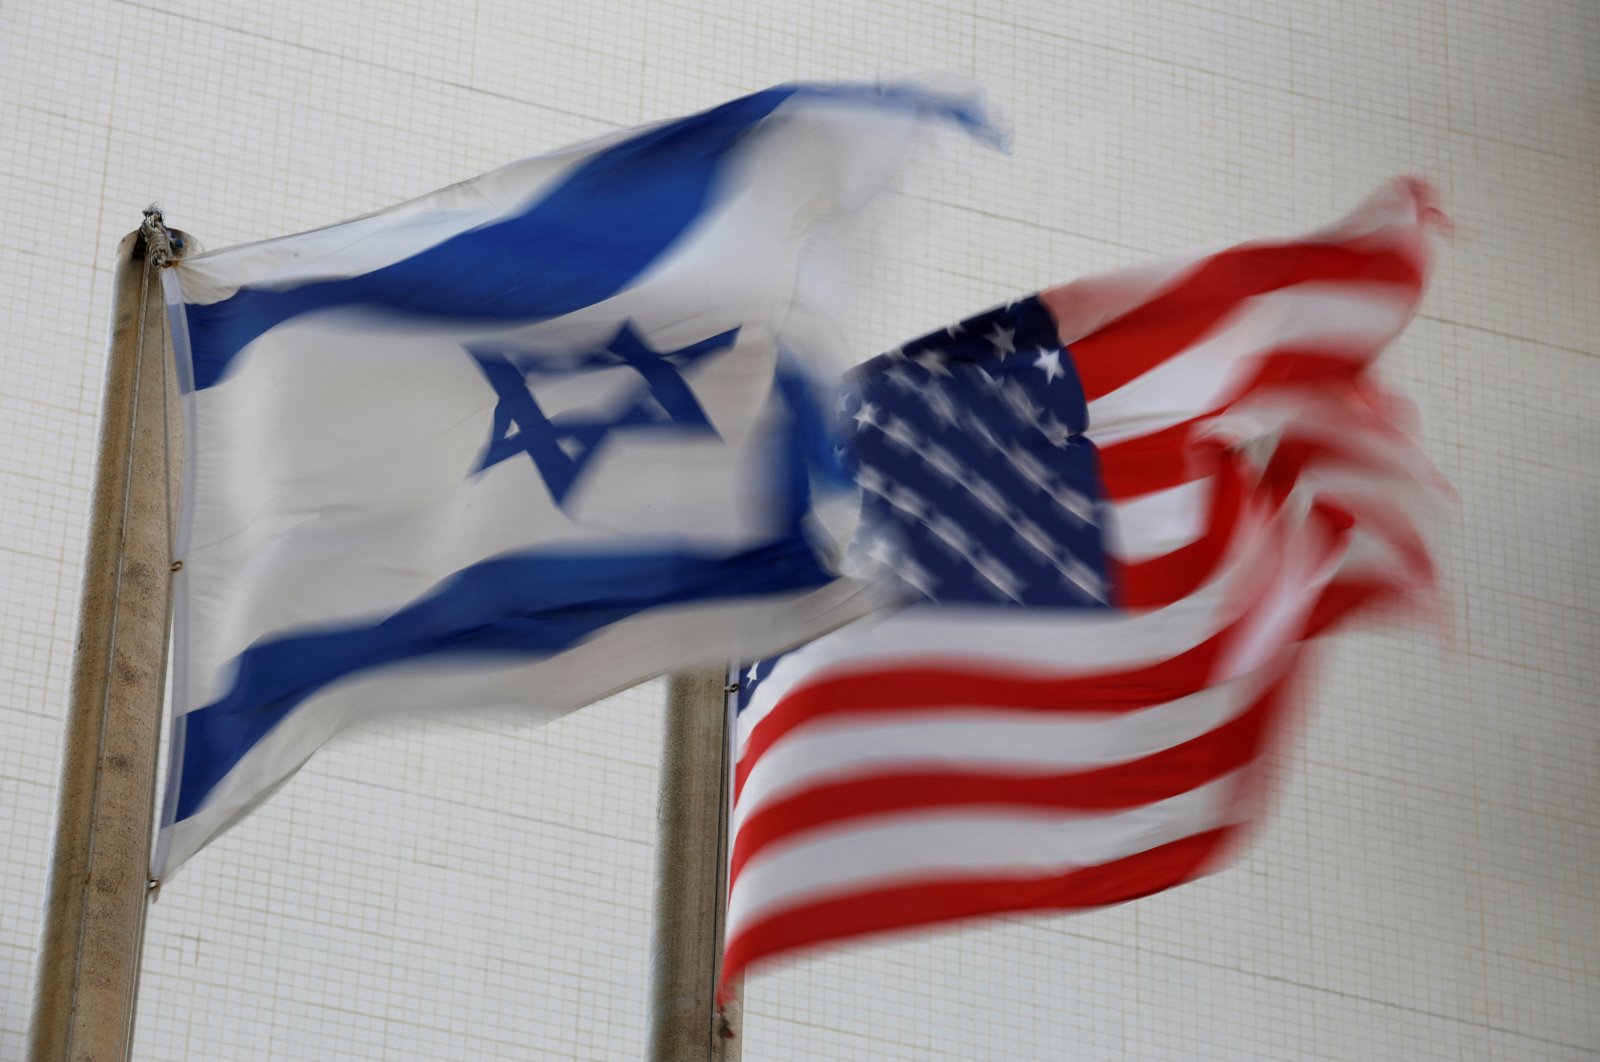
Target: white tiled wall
x=1427 y=888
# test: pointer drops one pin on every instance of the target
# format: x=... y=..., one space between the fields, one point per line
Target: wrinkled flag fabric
x=1128 y=504
x=519 y=443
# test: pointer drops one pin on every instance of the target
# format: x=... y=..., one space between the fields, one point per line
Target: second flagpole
x=685 y=1023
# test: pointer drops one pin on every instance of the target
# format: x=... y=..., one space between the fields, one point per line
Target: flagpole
x=88 y=969
x=686 y=1024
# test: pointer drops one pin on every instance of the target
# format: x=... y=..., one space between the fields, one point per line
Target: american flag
x=1125 y=505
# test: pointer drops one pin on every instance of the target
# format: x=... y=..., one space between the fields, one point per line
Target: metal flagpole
x=99 y=873
x=686 y=1025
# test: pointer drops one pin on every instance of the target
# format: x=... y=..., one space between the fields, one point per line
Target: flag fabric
x=1126 y=504
x=521 y=442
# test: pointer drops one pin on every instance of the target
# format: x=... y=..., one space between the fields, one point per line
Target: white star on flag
x=1003 y=340
x=1050 y=362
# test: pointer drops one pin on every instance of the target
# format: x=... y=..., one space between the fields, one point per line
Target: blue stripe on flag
x=531 y=604
x=599 y=229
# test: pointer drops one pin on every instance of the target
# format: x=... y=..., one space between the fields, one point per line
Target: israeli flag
x=520 y=443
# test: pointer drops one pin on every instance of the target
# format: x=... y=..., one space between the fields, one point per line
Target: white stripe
x=1374 y=559
x=1158 y=523
x=1296 y=566
x=837 y=749
x=1343 y=319
x=1088 y=304
x=906 y=849
x=1016 y=639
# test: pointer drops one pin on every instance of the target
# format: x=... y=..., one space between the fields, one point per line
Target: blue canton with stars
x=562 y=446
x=978 y=484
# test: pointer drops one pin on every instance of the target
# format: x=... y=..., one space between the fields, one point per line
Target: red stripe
x=876 y=690
x=1341 y=599
x=1153 y=462
x=1296 y=368
x=1294 y=455
x=932 y=902
x=1155 y=331
x=1114 y=787
x=1168 y=458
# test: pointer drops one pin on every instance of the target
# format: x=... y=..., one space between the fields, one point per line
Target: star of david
x=562 y=446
